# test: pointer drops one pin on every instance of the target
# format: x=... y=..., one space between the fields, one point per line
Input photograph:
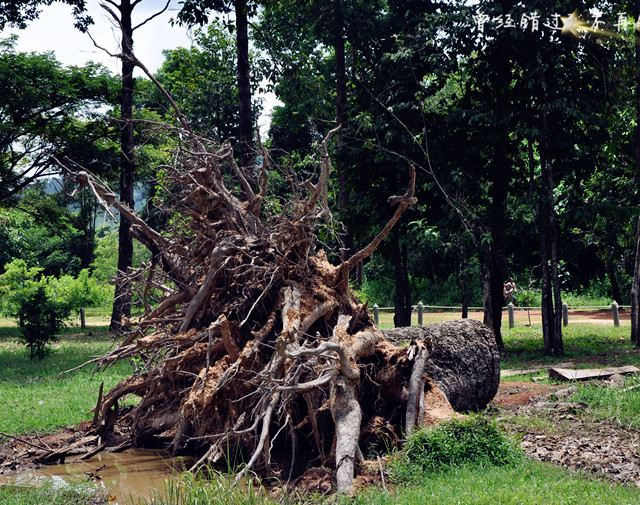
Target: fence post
x=83 y=322
x=512 y=315
x=616 y=315
x=565 y=314
x=376 y=314
x=420 y=313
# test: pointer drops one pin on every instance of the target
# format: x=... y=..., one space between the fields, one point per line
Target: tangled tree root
x=251 y=348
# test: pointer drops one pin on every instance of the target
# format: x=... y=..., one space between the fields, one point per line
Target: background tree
x=46 y=111
x=196 y=12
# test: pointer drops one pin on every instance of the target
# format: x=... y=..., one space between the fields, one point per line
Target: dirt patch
x=560 y=432
x=514 y=394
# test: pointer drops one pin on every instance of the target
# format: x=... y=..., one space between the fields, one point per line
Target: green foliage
x=105 y=265
x=16 y=283
x=42 y=106
x=82 y=291
x=202 y=80
x=69 y=293
x=40 y=319
x=472 y=441
x=19 y=12
x=42 y=237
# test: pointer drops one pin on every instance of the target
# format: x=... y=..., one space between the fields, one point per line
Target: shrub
x=40 y=319
x=472 y=441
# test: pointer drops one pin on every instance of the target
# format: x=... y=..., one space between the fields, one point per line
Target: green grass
x=617 y=405
x=528 y=483
x=591 y=343
x=190 y=489
x=525 y=483
x=33 y=395
x=49 y=495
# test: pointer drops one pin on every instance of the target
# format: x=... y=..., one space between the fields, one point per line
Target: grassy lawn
x=529 y=483
x=49 y=495
x=592 y=344
x=621 y=406
x=33 y=395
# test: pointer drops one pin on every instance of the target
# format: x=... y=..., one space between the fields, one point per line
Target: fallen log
x=464 y=360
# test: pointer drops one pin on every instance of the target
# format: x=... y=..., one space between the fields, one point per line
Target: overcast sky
x=54 y=31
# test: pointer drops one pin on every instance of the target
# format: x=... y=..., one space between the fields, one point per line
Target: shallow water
x=126 y=476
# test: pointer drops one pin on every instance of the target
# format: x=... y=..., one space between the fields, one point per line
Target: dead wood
x=464 y=360
x=252 y=352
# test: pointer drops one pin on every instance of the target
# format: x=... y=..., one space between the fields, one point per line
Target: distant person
x=509 y=291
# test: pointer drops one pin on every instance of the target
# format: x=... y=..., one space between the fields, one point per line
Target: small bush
x=40 y=319
x=472 y=441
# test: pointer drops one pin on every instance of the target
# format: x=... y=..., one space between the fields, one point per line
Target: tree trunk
x=465 y=293
x=616 y=294
x=122 y=299
x=551 y=295
x=486 y=287
x=341 y=119
x=497 y=260
x=635 y=289
x=464 y=360
x=635 y=318
x=402 y=300
x=244 y=84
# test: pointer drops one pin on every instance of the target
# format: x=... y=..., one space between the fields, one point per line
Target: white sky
x=54 y=31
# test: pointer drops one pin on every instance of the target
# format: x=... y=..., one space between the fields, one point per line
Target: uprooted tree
x=251 y=348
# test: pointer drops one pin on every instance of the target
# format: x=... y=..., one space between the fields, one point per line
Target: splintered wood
x=252 y=352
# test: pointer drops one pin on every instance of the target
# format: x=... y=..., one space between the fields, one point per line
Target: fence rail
x=421 y=310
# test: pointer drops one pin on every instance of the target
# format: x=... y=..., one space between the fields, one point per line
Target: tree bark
x=616 y=293
x=341 y=119
x=402 y=302
x=122 y=299
x=465 y=293
x=486 y=291
x=551 y=293
x=463 y=361
x=244 y=83
x=497 y=260
x=635 y=289
x=635 y=318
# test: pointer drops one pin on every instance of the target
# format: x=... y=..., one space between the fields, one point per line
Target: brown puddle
x=127 y=476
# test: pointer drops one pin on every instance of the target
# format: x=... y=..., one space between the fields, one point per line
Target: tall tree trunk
x=244 y=83
x=635 y=290
x=551 y=295
x=122 y=300
x=341 y=119
x=635 y=317
x=616 y=294
x=402 y=301
x=497 y=259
